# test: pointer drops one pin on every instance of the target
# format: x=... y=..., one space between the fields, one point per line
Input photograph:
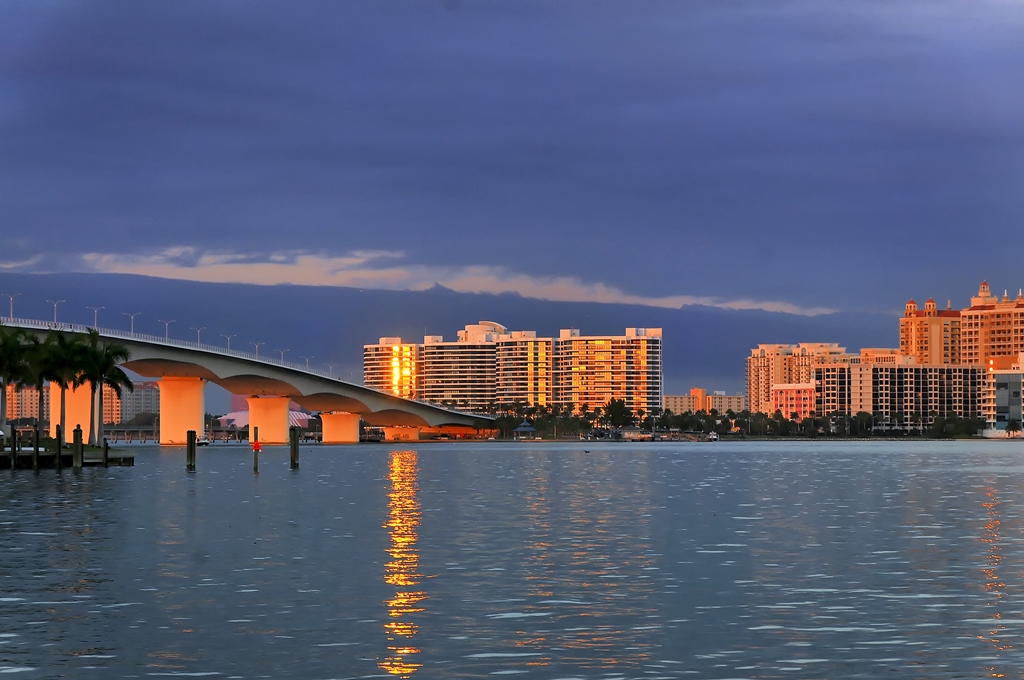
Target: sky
x=803 y=157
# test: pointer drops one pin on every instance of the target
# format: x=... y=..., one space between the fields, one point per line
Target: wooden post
x=255 y=448
x=35 y=447
x=190 y=451
x=77 y=452
x=293 y=440
x=106 y=453
x=14 y=448
x=60 y=437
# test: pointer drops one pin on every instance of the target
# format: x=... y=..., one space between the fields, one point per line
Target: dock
x=48 y=459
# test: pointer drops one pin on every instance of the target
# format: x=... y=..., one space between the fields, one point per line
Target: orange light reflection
x=401 y=571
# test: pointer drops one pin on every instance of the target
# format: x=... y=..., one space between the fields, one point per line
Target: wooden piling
x=255 y=448
x=77 y=451
x=190 y=451
x=293 y=441
x=106 y=453
x=35 y=447
x=60 y=452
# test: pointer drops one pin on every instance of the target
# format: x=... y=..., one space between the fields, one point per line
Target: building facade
x=794 y=400
x=590 y=370
x=489 y=367
x=524 y=369
x=461 y=374
x=23 y=403
x=991 y=327
x=699 y=400
x=145 y=398
x=390 y=366
x=770 y=365
x=930 y=335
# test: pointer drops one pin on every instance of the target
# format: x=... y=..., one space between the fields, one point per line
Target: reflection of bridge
x=186 y=367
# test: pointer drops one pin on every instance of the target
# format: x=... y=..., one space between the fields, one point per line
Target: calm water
x=445 y=561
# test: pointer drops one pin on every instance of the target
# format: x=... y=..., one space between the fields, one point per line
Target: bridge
x=185 y=367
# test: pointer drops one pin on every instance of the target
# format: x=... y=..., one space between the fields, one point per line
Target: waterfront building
x=847 y=386
x=24 y=403
x=913 y=396
x=593 y=369
x=991 y=327
x=461 y=374
x=145 y=398
x=699 y=400
x=390 y=366
x=794 y=400
x=930 y=335
x=524 y=369
x=489 y=367
x=778 y=364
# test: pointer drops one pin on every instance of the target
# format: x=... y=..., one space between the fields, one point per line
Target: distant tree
x=1013 y=427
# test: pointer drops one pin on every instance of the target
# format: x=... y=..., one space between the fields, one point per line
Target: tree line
x=66 y=360
x=568 y=420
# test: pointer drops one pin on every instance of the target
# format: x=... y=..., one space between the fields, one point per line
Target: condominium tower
x=489 y=367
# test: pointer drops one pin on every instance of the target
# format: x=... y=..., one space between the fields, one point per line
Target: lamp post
x=233 y=335
x=55 y=308
x=282 y=351
x=330 y=369
x=132 y=316
x=307 y=361
x=167 y=328
x=11 y=296
x=257 y=346
x=95 y=316
x=198 y=330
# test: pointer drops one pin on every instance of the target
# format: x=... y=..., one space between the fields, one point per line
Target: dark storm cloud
x=828 y=154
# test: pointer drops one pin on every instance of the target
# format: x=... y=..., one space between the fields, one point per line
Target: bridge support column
x=340 y=428
x=270 y=414
x=76 y=409
x=181 y=409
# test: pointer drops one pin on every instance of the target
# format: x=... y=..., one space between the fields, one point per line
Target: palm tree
x=66 y=363
x=38 y=367
x=101 y=370
x=12 y=367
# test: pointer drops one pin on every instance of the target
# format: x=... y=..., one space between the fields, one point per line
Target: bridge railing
x=185 y=344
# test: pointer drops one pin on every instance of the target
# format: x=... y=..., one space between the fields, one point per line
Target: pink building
x=793 y=398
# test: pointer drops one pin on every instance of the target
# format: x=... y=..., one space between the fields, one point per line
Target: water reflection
x=994 y=586
x=404 y=516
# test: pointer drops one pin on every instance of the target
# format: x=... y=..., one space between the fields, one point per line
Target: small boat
x=202 y=440
x=712 y=436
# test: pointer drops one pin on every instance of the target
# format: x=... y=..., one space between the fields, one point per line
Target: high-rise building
x=593 y=369
x=793 y=400
x=930 y=335
x=488 y=367
x=461 y=374
x=770 y=365
x=24 y=403
x=145 y=398
x=991 y=327
x=524 y=369
x=699 y=400
x=390 y=366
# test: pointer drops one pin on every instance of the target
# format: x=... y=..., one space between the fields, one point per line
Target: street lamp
x=55 y=308
x=307 y=361
x=233 y=335
x=95 y=316
x=132 y=315
x=167 y=328
x=11 y=296
x=282 y=351
x=257 y=346
x=197 y=330
x=330 y=368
